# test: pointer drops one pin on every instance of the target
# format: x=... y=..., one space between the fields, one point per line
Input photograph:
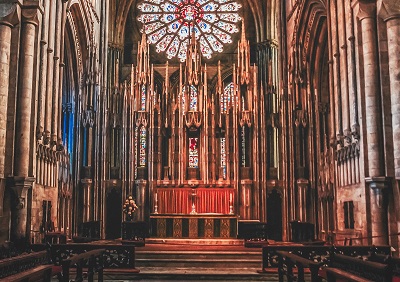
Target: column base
x=19 y=213
x=379 y=205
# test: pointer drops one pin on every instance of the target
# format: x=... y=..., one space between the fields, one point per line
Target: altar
x=193 y=226
x=194 y=213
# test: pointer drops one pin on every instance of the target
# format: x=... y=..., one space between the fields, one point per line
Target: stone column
x=379 y=204
x=367 y=17
x=9 y=17
x=390 y=13
x=21 y=180
x=302 y=187
x=245 y=199
x=143 y=211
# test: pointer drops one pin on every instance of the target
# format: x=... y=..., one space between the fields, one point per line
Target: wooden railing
x=18 y=264
x=115 y=256
x=318 y=253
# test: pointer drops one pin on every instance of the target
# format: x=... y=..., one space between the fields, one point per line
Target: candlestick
x=156 y=204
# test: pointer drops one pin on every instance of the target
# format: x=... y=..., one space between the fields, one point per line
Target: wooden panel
x=161 y=227
x=194 y=226
x=177 y=228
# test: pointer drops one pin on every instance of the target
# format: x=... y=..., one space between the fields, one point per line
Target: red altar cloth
x=206 y=200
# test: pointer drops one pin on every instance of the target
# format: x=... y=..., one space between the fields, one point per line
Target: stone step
x=199 y=262
x=204 y=255
x=195 y=274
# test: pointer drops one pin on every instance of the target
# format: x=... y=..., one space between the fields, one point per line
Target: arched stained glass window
x=143 y=98
x=168 y=24
x=223 y=157
x=227 y=97
x=243 y=145
x=193 y=152
x=143 y=145
x=136 y=149
x=192 y=98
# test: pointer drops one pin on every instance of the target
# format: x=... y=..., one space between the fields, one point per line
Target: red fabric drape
x=207 y=200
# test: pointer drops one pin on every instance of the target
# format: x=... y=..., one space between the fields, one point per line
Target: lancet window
x=143 y=98
x=193 y=152
x=143 y=145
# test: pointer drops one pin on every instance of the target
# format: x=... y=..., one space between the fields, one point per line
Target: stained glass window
x=143 y=98
x=136 y=149
x=168 y=24
x=223 y=157
x=192 y=98
x=142 y=148
x=193 y=152
x=243 y=145
x=227 y=97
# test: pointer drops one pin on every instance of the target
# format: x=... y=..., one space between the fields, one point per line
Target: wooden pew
x=117 y=257
x=373 y=271
x=18 y=264
x=335 y=274
x=41 y=273
x=92 y=259
x=316 y=253
x=290 y=260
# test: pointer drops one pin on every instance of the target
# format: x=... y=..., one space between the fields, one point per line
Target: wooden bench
x=117 y=257
x=18 y=264
x=42 y=273
x=316 y=253
x=363 y=269
x=288 y=261
x=93 y=260
x=336 y=274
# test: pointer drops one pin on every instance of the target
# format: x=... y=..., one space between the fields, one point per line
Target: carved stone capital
x=378 y=183
x=20 y=187
x=365 y=9
x=10 y=14
x=30 y=14
x=389 y=9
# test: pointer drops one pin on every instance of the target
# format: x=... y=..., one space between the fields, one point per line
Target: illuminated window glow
x=243 y=145
x=223 y=157
x=143 y=98
x=192 y=98
x=193 y=152
x=143 y=145
x=227 y=97
x=168 y=24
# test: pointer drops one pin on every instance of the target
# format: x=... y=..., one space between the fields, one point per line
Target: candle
x=230 y=197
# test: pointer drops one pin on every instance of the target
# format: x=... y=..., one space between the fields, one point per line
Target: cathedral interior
x=210 y=114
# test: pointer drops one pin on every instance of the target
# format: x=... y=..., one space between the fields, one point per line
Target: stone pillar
x=21 y=182
x=302 y=187
x=379 y=205
x=143 y=211
x=87 y=199
x=367 y=17
x=390 y=13
x=49 y=79
x=245 y=199
x=9 y=17
x=25 y=92
x=19 y=211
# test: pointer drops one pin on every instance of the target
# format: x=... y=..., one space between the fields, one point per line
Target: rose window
x=169 y=23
